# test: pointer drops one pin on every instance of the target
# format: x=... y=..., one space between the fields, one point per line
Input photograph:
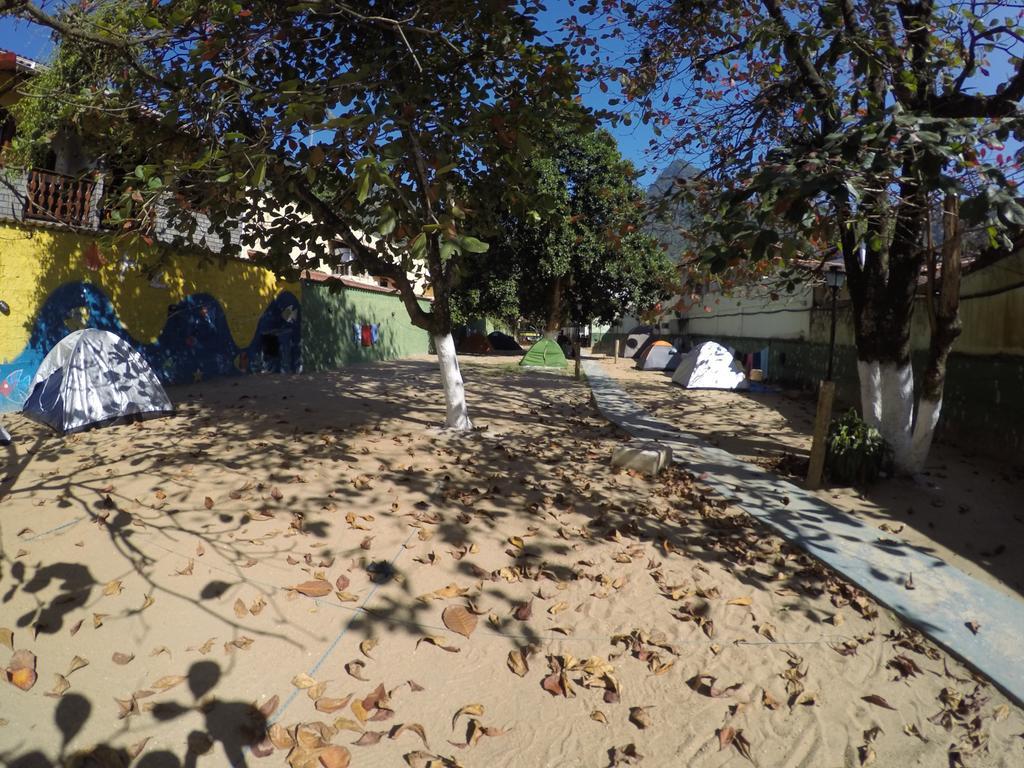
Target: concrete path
x=944 y=599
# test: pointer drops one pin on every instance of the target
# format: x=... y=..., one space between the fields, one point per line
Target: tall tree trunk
x=554 y=319
x=945 y=328
x=456 y=411
x=883 y=294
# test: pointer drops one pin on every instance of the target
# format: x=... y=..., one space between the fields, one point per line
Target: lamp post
x=835 y=277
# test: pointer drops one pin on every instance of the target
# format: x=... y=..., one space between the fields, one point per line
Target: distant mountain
x=668 y=216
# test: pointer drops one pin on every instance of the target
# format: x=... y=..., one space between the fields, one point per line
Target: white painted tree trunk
x=887 y=403
x=898 y=412
x=451 y=380
x=870 y=392
x=924 y=429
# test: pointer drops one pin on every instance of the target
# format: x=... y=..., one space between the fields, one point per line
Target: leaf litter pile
x=509 y=600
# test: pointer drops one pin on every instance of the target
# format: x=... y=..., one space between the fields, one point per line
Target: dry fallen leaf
x=208 y=502
x=21 y=670
x=638 y=717
x=127 y=707
x=333 y=756
x=355 y=669
x=725 y=737
x=268 y=707
x=517 y=662
x=313 y=588
x=598 y=715
x=303 y=681
x=7 y=637
x=705 y=685
x=459 y=620
x=369 y=738
x=112 y=587
x=60 y=685
x=240 y=609
x=972 y=625
x=329 y=706
x=878 y=701
x=366 y=646
x=168 y=681
x=476 y=710
x=740 y=601
x=523 y=611
x=626 y=755
x=416 y=728
x=445 y=593
x=134 y=750
x=557 y=682
x=558 y=607
x=241 y=643
x=344 y=724
x=438 y=641
x=77 y=663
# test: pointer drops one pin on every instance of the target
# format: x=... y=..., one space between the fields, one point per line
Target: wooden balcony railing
x=55 y=197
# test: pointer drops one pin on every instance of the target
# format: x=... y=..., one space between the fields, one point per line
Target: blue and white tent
x=91 y=378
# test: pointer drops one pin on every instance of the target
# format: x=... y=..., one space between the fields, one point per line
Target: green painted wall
x=328 y=321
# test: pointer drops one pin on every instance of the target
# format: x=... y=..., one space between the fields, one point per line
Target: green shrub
x=857 y=454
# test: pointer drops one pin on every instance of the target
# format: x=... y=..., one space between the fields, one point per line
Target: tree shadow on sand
x=229 y=727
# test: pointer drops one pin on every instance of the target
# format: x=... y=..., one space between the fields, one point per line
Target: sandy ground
x=311 y=554
x=965 y=509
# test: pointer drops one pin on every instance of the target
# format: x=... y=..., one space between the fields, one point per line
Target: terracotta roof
x=14 y=62
x=316 y=276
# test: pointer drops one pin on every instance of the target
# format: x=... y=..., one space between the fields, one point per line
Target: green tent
x=544 y=354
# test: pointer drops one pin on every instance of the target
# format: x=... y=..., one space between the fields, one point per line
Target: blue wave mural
x=195 y=342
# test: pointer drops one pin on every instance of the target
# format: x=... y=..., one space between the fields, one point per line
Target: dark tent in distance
x=659 y=356
x=91 y=378
x=474 y=343
x=502 y=342
x=544 y=354
x=636 y=339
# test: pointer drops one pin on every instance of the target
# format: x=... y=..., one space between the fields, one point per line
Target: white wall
x=751 y=313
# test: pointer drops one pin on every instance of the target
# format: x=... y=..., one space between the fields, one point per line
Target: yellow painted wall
x=35 y=261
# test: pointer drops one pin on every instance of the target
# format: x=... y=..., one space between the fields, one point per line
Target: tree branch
x=367 y=258
x=797 y=54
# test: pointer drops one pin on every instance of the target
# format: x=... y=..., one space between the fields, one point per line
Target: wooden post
x=618 y=350
x=826 y=394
